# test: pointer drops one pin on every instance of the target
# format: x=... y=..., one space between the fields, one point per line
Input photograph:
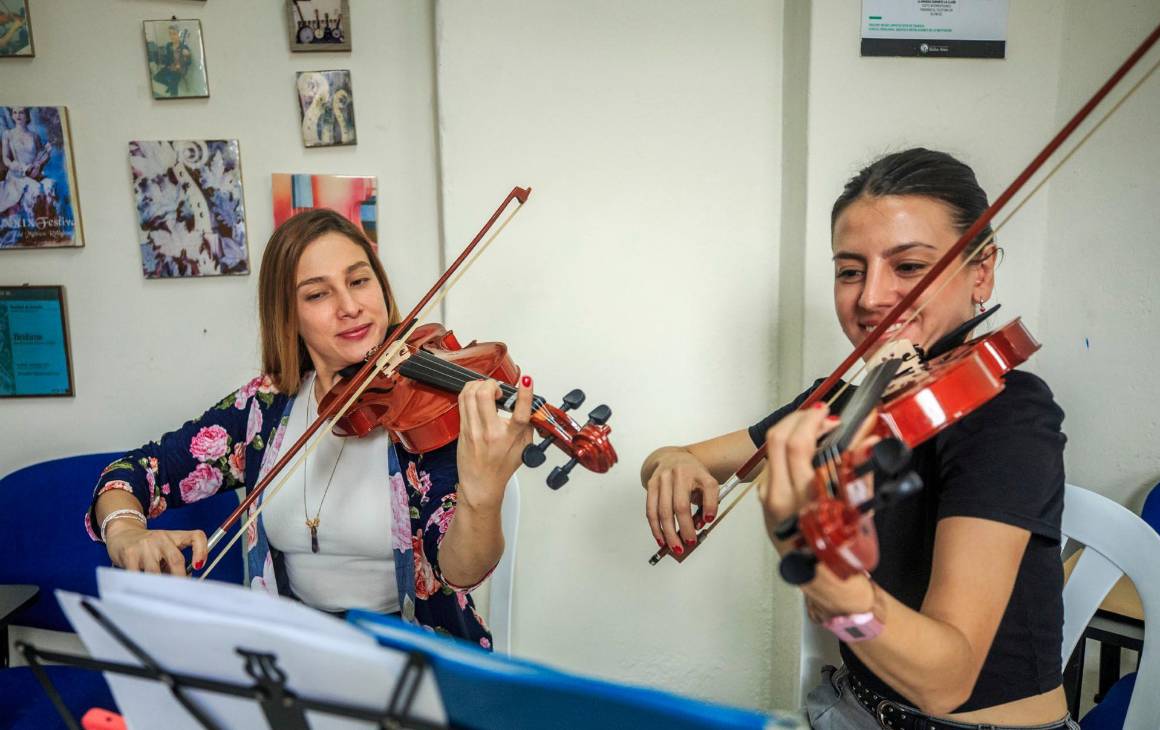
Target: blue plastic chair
x=42 y=510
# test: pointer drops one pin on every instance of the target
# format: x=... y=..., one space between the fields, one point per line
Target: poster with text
x=935 y=28
x=38 y=198
x=34 y=355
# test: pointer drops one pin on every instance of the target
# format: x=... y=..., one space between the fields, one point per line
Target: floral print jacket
x=236 y=442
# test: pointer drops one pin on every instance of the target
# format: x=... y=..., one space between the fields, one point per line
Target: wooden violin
x=415 y=402
x=896 y=408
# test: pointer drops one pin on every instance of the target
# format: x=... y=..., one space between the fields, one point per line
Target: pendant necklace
x=312 y=524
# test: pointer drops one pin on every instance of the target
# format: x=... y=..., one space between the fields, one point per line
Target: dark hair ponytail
x=919 y=171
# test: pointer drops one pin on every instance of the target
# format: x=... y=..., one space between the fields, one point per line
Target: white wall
x=672 y=260
x=1100 y=306
x=149 y=354
x=643 y=269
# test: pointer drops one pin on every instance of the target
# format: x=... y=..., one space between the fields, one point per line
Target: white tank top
x=354 y=567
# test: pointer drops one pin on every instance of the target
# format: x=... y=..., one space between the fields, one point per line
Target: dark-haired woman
x=362 y=524
x=962 y=620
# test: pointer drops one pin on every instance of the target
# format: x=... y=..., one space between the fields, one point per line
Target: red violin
x=898 y=408
x=416 y=403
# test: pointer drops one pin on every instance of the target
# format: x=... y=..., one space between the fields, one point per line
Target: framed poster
x=15 y=30
x=355 y=198
x=935 y=28
x=176 y=58
x=34 y=352
x=190 y=209
x=38 y=198
x=326 y=103
x=319 y=25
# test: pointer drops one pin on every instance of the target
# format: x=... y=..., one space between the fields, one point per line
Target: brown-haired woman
x=361 y=524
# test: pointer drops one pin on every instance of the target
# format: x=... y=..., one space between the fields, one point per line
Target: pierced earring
x=982 y=306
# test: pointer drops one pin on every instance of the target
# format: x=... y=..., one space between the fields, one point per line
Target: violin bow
x=956 y=250
x=386 y=356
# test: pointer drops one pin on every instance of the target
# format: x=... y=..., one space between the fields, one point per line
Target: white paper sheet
x=195 y=628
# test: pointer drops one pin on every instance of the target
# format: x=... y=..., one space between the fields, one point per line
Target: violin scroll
x=587 y=445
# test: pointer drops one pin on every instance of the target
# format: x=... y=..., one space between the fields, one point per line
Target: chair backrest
x=42 y=510
x=819 y=648
x=502 y=581
x=1117 y=542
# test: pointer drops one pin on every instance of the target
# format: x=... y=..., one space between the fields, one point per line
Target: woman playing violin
x=362 y=524
x=962 y=619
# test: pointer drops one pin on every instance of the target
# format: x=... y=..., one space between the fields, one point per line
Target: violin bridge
x=394 y=356
x=901 y=349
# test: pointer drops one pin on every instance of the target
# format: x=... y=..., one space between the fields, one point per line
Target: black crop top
x=1004 y=462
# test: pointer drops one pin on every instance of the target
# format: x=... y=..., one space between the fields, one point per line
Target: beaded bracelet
x=117 y=513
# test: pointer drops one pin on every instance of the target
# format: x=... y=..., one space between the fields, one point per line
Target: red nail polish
x=819 y=405
x=710 y=518
x=198 y=564
x=660 y=543
x=833 y=419
x=678 y=550
x=527 y=381
x=691 y=541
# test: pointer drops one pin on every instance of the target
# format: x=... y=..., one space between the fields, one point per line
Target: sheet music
x=195 y=628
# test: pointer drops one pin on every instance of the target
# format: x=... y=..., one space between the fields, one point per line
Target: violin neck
x=439 y=373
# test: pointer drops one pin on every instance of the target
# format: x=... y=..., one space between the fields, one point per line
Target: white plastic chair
x=819 y=648
x=1118 y=542
x=501 y=584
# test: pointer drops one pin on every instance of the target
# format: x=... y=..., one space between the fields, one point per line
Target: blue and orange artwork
x=38 y=207
x=190 y=211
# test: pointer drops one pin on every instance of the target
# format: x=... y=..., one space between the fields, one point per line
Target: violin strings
x=977 y=248
x=453 y=377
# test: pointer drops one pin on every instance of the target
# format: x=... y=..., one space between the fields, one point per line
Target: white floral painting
x=190 y=209
x=326 y=101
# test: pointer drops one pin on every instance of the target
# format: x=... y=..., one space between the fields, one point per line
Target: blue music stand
x=486 y=691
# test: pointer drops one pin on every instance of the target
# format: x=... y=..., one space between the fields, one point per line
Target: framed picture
x=326 y=101
x=38 y=198
x=356 y=198
x=319 y=25
x=15 y=30
x=34 y=352
x=176 y=58
x=190 y=211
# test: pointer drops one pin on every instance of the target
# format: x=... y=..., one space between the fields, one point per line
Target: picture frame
x=319 y=25
x=16 y=30
x=39 y=205
x=326 y=108
x=35 y=358
x=355 y=197
x=191 y=215
x=175 y=57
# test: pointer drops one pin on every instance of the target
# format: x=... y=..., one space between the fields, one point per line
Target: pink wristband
x=854 y=627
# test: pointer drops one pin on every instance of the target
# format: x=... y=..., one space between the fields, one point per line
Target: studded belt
x=893 y=715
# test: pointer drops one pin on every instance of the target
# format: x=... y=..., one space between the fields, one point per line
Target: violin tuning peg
x=574 y=399
x=798 y=567
x=600 y=415
x=533 y=455
x=559 y=476
x=890 y=456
